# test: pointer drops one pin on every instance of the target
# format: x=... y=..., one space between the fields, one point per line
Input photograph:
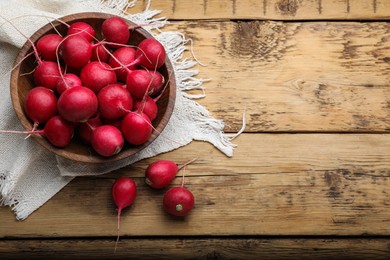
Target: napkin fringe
x=175 y=44
x=6 y=196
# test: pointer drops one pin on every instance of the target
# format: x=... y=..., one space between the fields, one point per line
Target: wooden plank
x=276 y=184
x=199 y=248
x=271 y=9
x=339 y=81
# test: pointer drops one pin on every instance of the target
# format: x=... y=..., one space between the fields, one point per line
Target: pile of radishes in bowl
x=94 y=84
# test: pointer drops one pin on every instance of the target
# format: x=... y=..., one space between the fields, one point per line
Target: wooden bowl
x=22 y=81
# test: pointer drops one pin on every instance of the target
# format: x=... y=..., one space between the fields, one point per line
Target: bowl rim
x=92 y=158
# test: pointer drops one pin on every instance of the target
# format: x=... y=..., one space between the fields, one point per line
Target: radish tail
x=182 y=180
x=35 y=126
x=187 y=163
x=118 y=228
x=22 y=132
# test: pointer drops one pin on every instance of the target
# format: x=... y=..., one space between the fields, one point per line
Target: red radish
x=82 y=29
x=122 y=57
x=148 y=107
x=86 y=129
x=96 y=75
x=40 y=104
x=46 y=74
x=47 y=46
x=150 y=54
x=136 y=128
x=115 y=30
x=76 y=51
x=107 y=140
x=114 y=101
x=161 y=173
x=124 y=192
x=157 y=82
x=178 y=201
x=68 y=80
x=57 y=130
x=139 y=83
x=77 y=104
x=100 y=53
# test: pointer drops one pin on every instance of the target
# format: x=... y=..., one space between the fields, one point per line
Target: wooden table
x=310 y=176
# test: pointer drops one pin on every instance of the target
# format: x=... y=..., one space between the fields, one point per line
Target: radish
x=40 y=104
x=114 y=101
x=57 y=130
x=68 y=80
x=157 y=82
x=161 y=173
x=46 y=74
x=178 y=201
x=82 y=29
x=124 y=192
x=100 y=53
x=148 y=107
x=96 y=75
x=47 y=46
x=86 y=129
x=107 y=140
x=150 y=54
x=76 y=51
x=136 y=128
x=139 y=83
x=122 y=57
x=115 y=30
x=77 y=104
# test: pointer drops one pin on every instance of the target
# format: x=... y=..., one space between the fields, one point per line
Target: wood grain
x=276 y=184
x=199 y=248
x=271 y=9
x=336 y=82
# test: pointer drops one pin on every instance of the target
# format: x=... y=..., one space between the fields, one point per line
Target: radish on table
x=178 y=201
x=124 y=192
x=161 y=173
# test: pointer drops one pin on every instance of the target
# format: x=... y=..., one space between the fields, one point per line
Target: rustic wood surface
x=272 y=9
x=310 y=176
x=202 y=248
